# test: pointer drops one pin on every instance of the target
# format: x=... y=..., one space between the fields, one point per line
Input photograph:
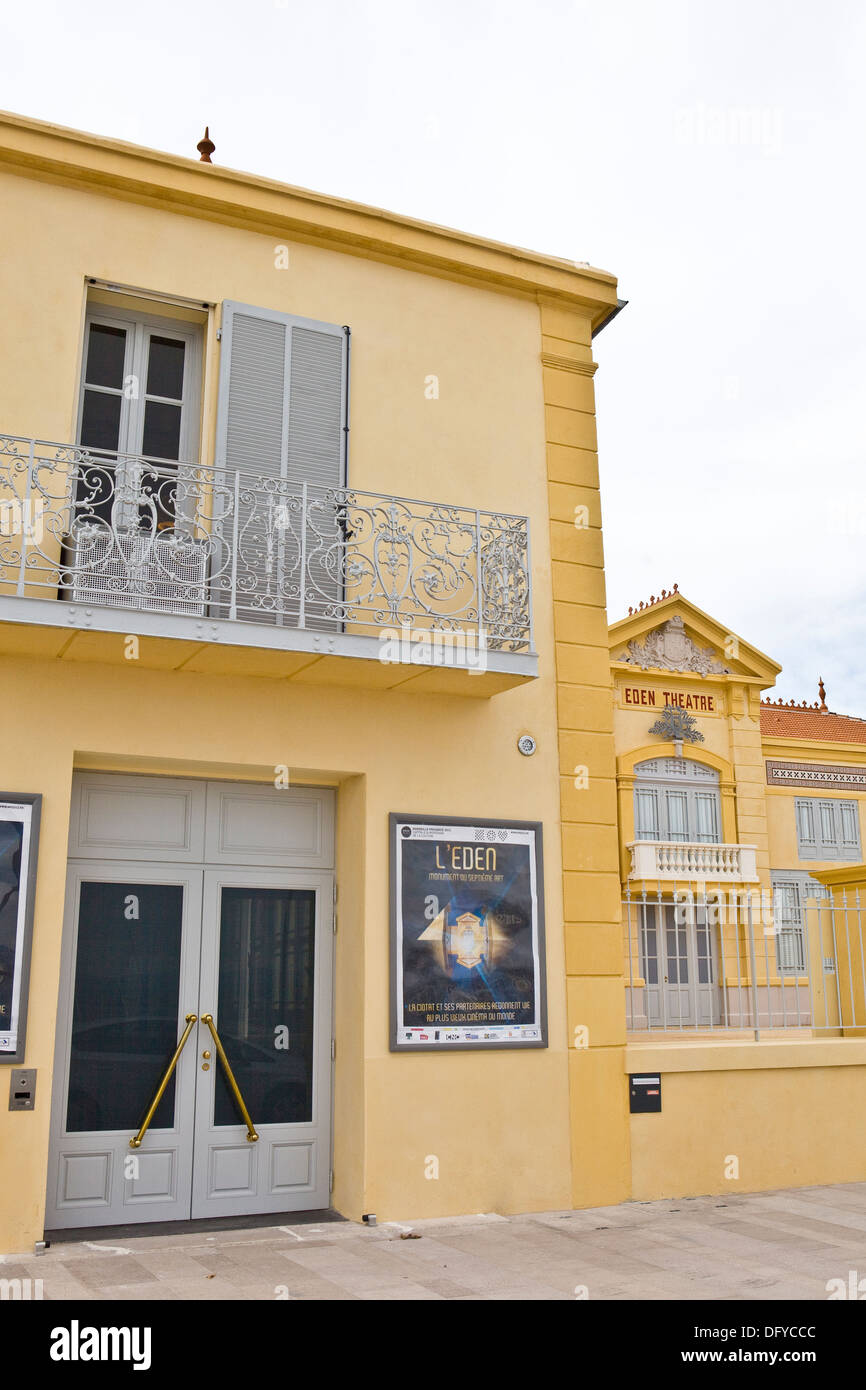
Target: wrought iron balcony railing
x=125 y=532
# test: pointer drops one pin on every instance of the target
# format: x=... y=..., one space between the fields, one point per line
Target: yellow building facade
x=213 y=385
x=312 y=704
x=741 y=822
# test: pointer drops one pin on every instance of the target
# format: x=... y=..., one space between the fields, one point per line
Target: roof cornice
x=809 y=747
x=116 y=169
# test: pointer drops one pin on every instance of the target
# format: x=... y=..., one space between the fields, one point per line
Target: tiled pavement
x=769 y=1245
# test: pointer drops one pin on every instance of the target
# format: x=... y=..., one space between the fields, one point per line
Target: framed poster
x=467 y=934
x=19 y=834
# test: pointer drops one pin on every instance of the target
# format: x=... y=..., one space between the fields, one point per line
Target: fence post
x=25 y=518
x=752 y=967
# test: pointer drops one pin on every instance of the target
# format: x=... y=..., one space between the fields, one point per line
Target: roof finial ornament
x=823 y=694
x=206 y=148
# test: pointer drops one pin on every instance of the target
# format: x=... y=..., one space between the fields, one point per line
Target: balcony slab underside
x=169 y=642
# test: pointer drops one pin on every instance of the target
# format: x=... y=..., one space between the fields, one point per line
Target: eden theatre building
x=349 y=861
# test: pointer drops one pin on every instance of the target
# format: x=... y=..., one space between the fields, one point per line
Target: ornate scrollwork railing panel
x=128 y=532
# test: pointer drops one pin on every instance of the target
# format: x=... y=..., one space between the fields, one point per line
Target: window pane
x=677 y=816
x=828 y=829
x=100 y=421
x=165 y=368
x=106 y=351
x=124 y=1022
x=266 y=1004
x=804 y=822
x=650 y=951
x=707 y=818
x=790 y=949
x=646 y=820
x=161 y=431
x=704 y=945
x=676 y=945
x=850 y=829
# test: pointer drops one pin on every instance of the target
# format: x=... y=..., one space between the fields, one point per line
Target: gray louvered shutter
x=281 y=423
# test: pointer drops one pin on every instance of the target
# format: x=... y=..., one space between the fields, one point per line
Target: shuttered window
x=791 y=894
x=827 y=828
x=282 y=421
x=688 y=813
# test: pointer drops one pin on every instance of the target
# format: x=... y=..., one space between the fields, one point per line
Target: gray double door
x=193 y=1060
x=680 y=966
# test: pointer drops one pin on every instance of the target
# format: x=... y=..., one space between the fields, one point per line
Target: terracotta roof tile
x=811 y=724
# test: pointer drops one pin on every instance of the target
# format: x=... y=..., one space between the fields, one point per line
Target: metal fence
x=130 y=532
x=728 y=959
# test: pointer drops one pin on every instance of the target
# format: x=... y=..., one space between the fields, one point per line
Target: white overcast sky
x=710 y=154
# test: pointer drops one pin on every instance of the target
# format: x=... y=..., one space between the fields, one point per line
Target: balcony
x=301 y=582
x=668 y=861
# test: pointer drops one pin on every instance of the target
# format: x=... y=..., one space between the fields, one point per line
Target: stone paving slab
x=760 y=1246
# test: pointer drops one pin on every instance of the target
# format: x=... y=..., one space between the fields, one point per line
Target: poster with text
x=467 y=934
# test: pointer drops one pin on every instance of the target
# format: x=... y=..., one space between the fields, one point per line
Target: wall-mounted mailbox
x=645 y=1093
x=22 y=1088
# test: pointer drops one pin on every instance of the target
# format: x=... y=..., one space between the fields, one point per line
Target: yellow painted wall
x=390 y=1111
x=716 y=1100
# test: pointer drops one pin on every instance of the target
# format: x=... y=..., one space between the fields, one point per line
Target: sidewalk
x=772 y=1245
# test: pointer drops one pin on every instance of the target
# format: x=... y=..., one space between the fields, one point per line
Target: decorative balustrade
x=122 y=531
x=668 y=860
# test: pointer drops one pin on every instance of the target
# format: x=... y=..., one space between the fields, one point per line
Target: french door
x=679 y=965
x=194 y=1057
x=139 y=396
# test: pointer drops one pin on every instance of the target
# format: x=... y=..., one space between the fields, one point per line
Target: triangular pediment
x=671 y=634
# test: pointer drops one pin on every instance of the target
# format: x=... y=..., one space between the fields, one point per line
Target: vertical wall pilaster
x=751 y=784
x=587 y=767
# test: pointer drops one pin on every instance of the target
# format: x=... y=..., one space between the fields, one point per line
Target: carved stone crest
x=668 y=648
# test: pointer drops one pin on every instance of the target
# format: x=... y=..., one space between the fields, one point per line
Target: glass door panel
x=103 y=410
x=677 y=951
x=265 y=1003
x=125 y=1005
x=161 y=428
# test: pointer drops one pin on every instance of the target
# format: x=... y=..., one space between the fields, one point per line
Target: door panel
x=290 y=828
x=130 y=970
x=151 y=818
x=265 y=978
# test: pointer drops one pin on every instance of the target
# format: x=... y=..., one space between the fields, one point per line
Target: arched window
x=677 y=799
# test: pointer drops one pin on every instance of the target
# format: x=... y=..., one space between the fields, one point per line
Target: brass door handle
x=230 y=1078
x=135 y=1142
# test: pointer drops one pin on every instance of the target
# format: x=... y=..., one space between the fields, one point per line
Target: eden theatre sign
x=647 y=697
